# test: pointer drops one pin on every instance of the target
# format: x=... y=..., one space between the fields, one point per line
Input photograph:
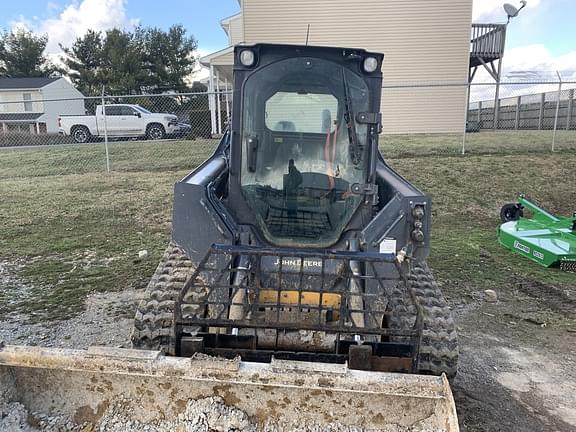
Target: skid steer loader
x=296 y=285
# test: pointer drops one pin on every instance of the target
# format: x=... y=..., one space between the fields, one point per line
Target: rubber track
x=155 y=313
x=439 y=342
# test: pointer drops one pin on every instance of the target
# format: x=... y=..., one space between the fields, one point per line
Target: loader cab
x=304 y=140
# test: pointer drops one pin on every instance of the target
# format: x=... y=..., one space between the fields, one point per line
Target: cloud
x=21 y=23
x=53 y=6
x=530 y=63
x=201 y=72
x=492 y=10
x=538 y=58
x=533 y=62
x=75 y=19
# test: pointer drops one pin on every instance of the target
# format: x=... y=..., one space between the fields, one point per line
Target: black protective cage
x=244 y=278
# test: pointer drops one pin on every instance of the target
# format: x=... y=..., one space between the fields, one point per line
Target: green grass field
x=69 y=228
x=170 y=155
x=482 y=143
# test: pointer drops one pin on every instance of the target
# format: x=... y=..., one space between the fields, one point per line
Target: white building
x=32 y=105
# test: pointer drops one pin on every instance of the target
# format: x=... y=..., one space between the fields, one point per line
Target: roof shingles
x=25 y=83
x=19 y=116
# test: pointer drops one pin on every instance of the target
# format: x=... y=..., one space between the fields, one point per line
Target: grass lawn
x=126 y=156
x=481 y=143
x=68 y=228
x=70 y=235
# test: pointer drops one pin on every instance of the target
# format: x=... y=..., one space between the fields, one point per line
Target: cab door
x=131 y=120
x=113 y=122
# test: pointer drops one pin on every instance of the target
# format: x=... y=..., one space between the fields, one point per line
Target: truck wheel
x=81 y=134
x=439 y=343
x=155 y=131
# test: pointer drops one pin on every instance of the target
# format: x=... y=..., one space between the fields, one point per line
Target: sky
x=542 y=38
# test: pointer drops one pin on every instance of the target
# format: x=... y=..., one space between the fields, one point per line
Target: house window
x=27 y=102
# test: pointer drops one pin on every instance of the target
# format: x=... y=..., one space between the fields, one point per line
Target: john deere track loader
x=296 y=283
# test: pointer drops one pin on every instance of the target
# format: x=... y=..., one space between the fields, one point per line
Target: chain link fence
x=538 y=115
x=112 y=133
x=178 y=130
x=431 y=119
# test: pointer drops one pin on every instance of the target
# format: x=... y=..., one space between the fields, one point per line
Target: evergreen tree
x=22 y=55
x=147 y=60
x=84 y=63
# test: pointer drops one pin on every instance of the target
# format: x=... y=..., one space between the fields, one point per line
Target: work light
x=370 y=64
x=247 y=57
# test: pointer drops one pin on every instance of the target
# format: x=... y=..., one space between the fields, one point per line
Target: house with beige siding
x=33 y=105
x=424 y=42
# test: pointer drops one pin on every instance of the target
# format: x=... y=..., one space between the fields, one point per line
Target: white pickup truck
x=121 y=121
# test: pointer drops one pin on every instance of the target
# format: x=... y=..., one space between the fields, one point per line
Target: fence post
x=105 y=132
x=496 y=119
x=479 y=113
x=517 y=119
x=218 y=106
x=466 y=108
x=497 y=95
x=541 y=114
x=570 y=107
x=557 y=110
x=212 y=100
x=227 y=105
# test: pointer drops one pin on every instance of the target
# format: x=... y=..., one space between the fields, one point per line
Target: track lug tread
x=155 y=313
x=439 y=341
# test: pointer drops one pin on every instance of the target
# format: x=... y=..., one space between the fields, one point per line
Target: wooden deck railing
x=487 y=40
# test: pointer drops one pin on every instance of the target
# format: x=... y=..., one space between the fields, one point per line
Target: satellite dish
x=510 y=10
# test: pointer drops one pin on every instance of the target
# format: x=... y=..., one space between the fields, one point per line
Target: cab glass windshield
x=302 y=149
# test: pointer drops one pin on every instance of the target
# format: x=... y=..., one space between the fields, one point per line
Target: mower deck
x=544 y=238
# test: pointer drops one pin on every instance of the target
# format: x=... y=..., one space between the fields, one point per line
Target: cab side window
x=113 y=111
x=127 y=111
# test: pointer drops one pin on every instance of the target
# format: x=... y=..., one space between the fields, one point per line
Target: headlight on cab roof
x=370 y=64
x=247 y=57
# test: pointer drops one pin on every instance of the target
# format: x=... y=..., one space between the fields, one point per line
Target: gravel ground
x=203 y=415
x=107 y=320
x=517 y=369
x=14 y=417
